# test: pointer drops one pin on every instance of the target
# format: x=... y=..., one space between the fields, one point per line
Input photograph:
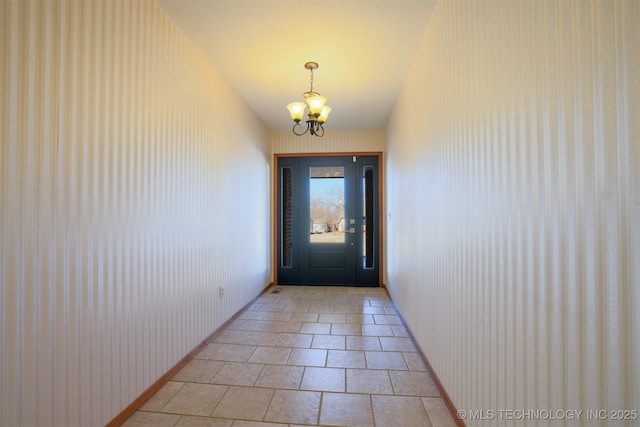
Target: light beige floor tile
x=295 y=340
x=272 y=355
x=399 y=411
x=252 y=315
x=346 y=359
x=236 y=373
x=364 y=343
x=316 y=328
x=151 y=419
x=336 y=342
x=380 y=302
x=345 y=329
x=400 y=331
x=360 y=319
x=292 y=406
x=236 y=324
x=209 y=350
x=307 y=357
x=261 y=338
x=368 y=381
x=272 y=307
x=231 y=337
x=373 y=310
x=282 y=326
x=385 y=360
x=321 y=308
x=323 y=379
x=195 y=399
x=198 y=371
x=295 y=307
x=414 y=361
x=244 y=403
x=413 y=383
x=278 y=315
x=387 y=319
x=433 y=402
x=352 y=410
x=268 y=299
x=377 y=330
x=161 y=397
x=354 y=308
x=438 y=412
x=397 y=344
x=234 y=353
x=254 y=325
x=241 y=423
x=271 y=326
x=304 y=317
x=278 y=376
x=192 y=421
x=332 y=318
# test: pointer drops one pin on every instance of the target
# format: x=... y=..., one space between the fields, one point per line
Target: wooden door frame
x=274 y=206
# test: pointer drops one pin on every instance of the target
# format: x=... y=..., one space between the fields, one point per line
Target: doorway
x=327 y=224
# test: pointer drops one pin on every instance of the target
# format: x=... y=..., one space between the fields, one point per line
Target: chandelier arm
x=319 y=132
x=299 y=126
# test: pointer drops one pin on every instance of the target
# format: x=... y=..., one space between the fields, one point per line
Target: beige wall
x=513 y=177
x=133 y=183
x=334 y=141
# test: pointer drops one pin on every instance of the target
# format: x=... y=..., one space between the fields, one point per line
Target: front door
x=327 y=220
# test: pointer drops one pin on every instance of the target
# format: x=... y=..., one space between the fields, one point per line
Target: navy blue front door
x=327 y=220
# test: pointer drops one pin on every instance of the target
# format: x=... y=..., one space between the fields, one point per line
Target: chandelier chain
x=311 y=81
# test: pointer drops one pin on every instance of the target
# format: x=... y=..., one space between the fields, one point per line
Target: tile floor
x=304 y=356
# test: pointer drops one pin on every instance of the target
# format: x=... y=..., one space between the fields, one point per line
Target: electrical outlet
x=221 y=292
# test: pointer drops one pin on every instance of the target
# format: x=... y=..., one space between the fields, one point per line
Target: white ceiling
x=363 y=47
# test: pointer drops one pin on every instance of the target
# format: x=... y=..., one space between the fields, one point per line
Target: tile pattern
x=304 y=356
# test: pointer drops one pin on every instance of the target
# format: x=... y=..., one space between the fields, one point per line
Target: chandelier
x=318 y=112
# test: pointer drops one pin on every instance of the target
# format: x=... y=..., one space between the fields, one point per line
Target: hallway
x=304 y=356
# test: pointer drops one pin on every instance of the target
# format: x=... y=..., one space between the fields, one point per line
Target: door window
x=326 y=204
x=367 y=217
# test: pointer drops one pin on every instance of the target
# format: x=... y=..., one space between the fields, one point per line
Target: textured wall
x=133 y=183
x=513 y=177
x=334 y=141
